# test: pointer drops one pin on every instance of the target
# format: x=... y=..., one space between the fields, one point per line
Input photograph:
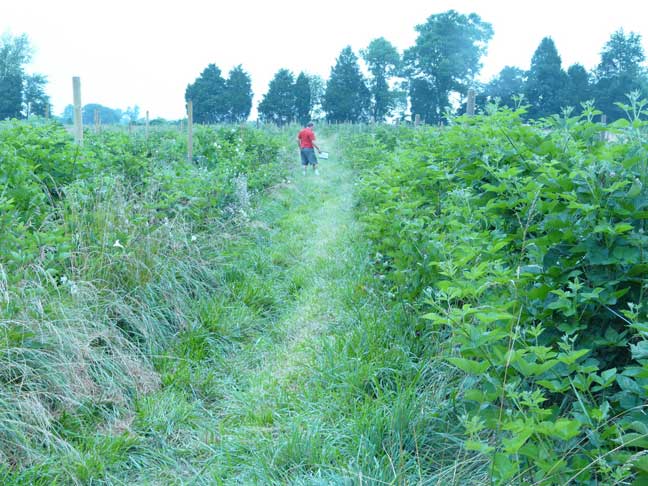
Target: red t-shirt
x=306 y=137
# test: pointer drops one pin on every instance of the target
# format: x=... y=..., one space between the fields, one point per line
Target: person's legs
x=312 y=159
x=304 y=160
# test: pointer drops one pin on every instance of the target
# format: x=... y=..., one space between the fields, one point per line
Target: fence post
x=470 y=103
x=97 y=120
x=190 y=130
x=78 y=119
x=417 y=120
x=604 y=133
x=147 y=125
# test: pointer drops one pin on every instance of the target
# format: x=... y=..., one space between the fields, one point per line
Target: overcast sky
x=145 y=52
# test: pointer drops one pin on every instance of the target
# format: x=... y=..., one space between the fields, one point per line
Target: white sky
x=145 y=52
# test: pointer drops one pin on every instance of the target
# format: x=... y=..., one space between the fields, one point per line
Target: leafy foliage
x=100 y=264
x=619 y=72
x=383 y=61
x=523 y=246
x=21 y=95
x=445 y=59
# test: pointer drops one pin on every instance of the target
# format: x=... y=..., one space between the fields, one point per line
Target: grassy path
x=295 y=371
x=262 y=425
x=293 y=375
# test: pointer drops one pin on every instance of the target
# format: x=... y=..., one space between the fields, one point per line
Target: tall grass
x=82 y=345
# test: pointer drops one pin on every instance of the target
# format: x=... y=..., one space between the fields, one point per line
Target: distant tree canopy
x=620 y=71
x=303 y=99
x=347 y=98
x=509 y=83
x=546 y=81
x=430 y=78
x=445 y=59
x=383 y=62
x=548 y=88
x=107 y=116
x=219 y=100
x=278 y=104
x=238 y=91
x=21 y=95
x=578 y=88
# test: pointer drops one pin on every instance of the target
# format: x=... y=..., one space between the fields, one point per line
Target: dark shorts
x=308 y=156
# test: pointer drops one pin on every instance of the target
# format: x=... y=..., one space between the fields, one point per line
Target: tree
x=278 y=104
x=208 y=94
x=508 y=83
x=15 y=52
x=619 y=72
x=347 y=98
x=35 y=100
x=11 y=86
x=545 y=81
x=317 y=89
x=238 y=89
x=107 y=116
x=445 y=59
x=424 y=100
x=578 y=89
x=303 y=98
x=383 y=61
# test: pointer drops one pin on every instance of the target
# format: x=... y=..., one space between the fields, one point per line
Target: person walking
x=307 y=146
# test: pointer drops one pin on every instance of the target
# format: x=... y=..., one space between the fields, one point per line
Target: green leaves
x=469 y=366
x=524 y=247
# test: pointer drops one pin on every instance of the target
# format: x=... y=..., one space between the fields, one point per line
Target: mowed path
x=271 y=428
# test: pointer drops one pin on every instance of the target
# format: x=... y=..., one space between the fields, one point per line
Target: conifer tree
x=303 y=99
x=546 y=81
x=208 y=94
x=238 y=92
x=278 y=104
x=347 y=98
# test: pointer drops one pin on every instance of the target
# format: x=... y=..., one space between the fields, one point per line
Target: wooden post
x=97 y=120
x=470 y=103
x=604 y=134
x=190 y=130
x=47 y=110
x=417 y=120
x=147 y=125
x=78 y=119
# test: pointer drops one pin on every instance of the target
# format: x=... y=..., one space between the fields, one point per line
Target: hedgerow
x=523 y=249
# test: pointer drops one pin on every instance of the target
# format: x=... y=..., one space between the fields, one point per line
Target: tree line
x=428 y=79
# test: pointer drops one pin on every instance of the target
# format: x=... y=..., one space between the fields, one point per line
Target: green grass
x=291 y=366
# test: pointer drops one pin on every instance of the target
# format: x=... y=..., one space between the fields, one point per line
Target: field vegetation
x=461 y=304
x=521 y=249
